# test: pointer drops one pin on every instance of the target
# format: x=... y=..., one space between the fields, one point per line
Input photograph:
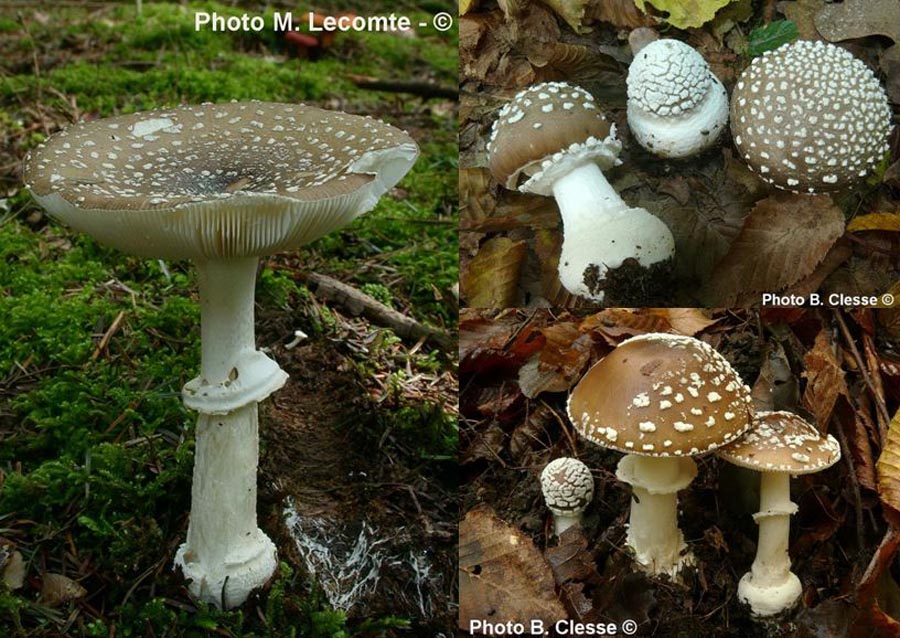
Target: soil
x=324 y=451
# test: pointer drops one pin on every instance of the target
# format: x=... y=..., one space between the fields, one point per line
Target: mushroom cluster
x=222 y=184
x=809 y=117
x=660 y=399
x=676 y=106
x=552 y=139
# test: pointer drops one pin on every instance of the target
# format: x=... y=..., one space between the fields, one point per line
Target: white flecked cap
x=782 y=442
x=809 y=117
x=661 y=395
x=676 y=106
x=567 y=485
x=240 y=179
x=546 y=131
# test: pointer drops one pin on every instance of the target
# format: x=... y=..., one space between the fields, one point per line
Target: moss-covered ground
x=96 y=448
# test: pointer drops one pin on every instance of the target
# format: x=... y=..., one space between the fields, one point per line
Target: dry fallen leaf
x=888 y=468
x=783 y=239
x=572 y=11
x=803 y=13
x=502 y=576
x=824 y=378
x=859 y=19
x=687 y=321
x=683 y=14
x=622 y=14
x=890 y=66
x=875 y=221
x=58 y=589
x=466 y=5
x=560 y=362
x=491 y=279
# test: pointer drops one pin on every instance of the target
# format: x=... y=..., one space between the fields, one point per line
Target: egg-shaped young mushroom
x=809 y=117
x=552 y=139
x=660 y=399
x=676 y=106
x=568 y=487
x=779 y=446
x=221 y=184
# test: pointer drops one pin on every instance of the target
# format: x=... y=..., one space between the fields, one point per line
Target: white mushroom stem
x=226 y=555
x=653 y=532
x=601 y=230
x=563 y=521
x=770 y=587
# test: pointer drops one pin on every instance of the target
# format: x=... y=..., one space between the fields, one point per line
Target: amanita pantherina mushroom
x=780 y=445
x=661 y=399
x=552 y=139
x=222 y=184
x=809 y=117
x=676 y=106
x=568 y=487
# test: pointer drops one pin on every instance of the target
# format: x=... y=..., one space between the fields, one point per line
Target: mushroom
x=568 y=487
x=222 y=184
x=552 y=139
x=676 y=106
x=809 y=117
x=661 y=399
x=780 y=445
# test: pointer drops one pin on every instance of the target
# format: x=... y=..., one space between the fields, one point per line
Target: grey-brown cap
x=782 y=442
x=544 y=132
x=661 y=395
x=217 y=180
x=810 y=117
x=567 y=485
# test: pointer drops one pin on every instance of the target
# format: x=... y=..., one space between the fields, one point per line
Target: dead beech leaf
x=492 y=277
x=686 y=321
x=683 y=14
x=466 y=5
x=502 y=575
x=58 y=589
x=783 y=240
x=859 y=19
x=776 y=386
x=824 y=379
x=617 y=324
x=622 y=14
x=888 y=468
x=803 y=13
x=560 y=362
x=572 y=11
x=875 y=221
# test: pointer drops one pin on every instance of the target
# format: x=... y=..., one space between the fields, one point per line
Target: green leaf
x=771 y=36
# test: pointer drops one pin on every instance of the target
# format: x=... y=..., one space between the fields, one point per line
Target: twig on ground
x=414 y=87
x=359 y=303
x=883 y=417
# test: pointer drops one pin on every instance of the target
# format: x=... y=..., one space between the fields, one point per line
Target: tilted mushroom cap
x=567 y=485
x=810 y=117
x=676 y=106
x=782 y=442
x=217 y=180
x=544 y=132
x=661 y=395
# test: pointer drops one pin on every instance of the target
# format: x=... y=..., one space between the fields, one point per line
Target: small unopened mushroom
x=568 y=487
x=676 y=106
x=660 y=399
x=222 y=184
x=779 y=446
x=552 y=139
x=809 y=117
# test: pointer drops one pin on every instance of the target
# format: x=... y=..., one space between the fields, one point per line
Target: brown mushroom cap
x=782 y=442
x=549 y=123
x=810 y=117
x=217 y=180
x=661 y=395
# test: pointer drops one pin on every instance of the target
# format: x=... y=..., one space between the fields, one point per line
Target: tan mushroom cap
x=217 y=180
x=549 y=124
x=661 y=395
x=782 y=442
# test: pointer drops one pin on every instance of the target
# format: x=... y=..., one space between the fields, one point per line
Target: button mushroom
x=552 y=139
x=809 y=117
x=676 y=106
x=568 y=487
x=660 y=399
x=780 y=445
x=222 y=184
